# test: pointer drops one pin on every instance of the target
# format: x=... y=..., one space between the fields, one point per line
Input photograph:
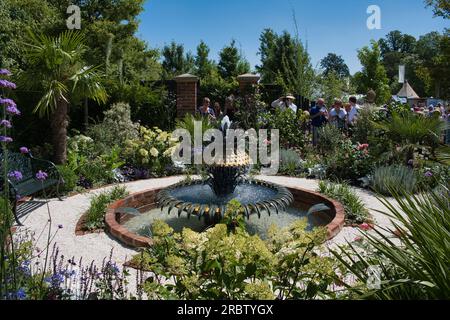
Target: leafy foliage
x=188 y=123
x=97 y=210
x=334 y=63
x=114 y=130
x=290 y=162
x=385 y=178
x=355 y=210
x=175 y=61
x=232 y=63
x=292 y=127
x=57 y=70
x=373 y=75
x=152 y=149
x=417 y=267
x=348 y=162
x=219 y=264
x=285 y=61
x=411 y=131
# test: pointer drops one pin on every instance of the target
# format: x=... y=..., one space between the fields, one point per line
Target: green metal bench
x=28 y=185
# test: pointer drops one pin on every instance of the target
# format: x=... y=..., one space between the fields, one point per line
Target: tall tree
x=334 y=63
x=373 y=75
x=269 y=66
x=396 y=49
x=57 y=70
x=17 y=16
x=203 y=65
x=176 y=61
x=232 y=63
x=285 y=61
x=395 y=41
x=441 y=8
x=433 y=51
x=331 y=86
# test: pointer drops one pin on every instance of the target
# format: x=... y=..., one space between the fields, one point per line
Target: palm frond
x=58 y=71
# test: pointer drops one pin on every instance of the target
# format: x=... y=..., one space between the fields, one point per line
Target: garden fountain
x=208 y=199
x=263 y=204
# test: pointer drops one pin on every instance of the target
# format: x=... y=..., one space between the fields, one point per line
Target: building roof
x=407 y=92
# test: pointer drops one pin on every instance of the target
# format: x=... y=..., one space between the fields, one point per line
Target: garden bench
x=29 y=184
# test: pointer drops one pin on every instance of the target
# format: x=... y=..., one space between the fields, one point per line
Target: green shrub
x=290 y=162
x=410 y=130
x=223 y=263
x=417 y=267
x=431 y=176
x=152 y=150
x=348 y=162
x=291 y=126
x=70 y=178
x=96 y=213
x=330 y=138
x=188 y=123
x=95 y=171
x=114 y=130
x=355 y=211
x=398 y=176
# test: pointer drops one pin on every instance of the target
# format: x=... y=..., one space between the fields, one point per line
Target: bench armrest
x=46 y=166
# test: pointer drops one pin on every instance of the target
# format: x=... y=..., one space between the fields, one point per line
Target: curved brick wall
x=145 y=201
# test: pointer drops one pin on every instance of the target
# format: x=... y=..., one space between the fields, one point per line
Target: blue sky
x=326 y=25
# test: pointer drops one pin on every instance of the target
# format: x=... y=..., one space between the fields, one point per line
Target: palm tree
x=412 y=131
x=56 y=68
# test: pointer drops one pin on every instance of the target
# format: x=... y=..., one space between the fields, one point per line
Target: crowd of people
x=216 y=112
x=343 y=116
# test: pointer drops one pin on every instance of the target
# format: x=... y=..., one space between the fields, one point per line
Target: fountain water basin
x=134 y=230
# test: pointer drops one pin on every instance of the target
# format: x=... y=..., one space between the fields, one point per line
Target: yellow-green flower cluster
x=220 y=264
x=153 y=149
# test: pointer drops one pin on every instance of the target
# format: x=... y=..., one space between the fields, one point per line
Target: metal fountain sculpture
x=225 y=178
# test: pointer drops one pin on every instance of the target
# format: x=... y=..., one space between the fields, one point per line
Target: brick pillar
x=186 y=94
x=246 y=81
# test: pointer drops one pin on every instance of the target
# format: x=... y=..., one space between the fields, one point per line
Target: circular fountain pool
x=134 y=229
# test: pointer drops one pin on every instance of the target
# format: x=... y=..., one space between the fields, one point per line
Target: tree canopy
x=334 y=63
x=232 y=63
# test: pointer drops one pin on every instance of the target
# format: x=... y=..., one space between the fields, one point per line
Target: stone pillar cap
x=186 y=78
x=249 y=77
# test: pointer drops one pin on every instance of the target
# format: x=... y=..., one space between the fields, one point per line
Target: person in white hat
x=285 y=102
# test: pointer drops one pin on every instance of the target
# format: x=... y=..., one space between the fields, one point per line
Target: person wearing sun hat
x=284 y=102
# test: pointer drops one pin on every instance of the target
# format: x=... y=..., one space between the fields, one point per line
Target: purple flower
x=5 y=72
x=55 y=279
x=6 y=139
x=16 y=175
x=24 y=150
x=13 y=110
x=19 y=295
x=8 y=102
x=5 y=123
x=41 y=175
x=7 y=84
x=428 y=174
